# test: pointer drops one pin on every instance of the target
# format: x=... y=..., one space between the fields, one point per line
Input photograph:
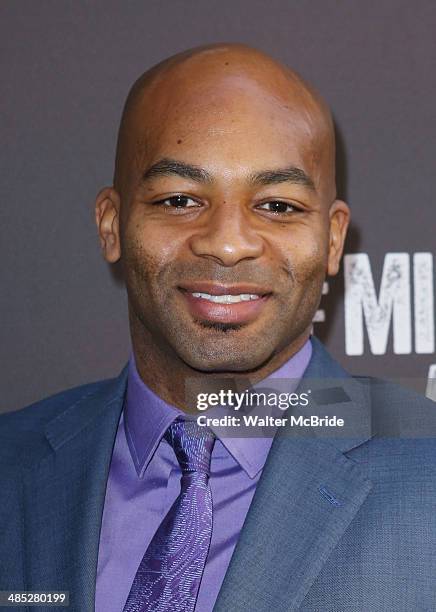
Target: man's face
x=225 y=237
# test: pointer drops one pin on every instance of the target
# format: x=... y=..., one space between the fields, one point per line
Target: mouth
x=227 y=299
x=215 y=303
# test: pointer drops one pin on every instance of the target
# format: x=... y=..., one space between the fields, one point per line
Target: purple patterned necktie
x=169 y=574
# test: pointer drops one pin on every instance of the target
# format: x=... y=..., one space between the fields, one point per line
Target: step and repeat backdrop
x=65 y=70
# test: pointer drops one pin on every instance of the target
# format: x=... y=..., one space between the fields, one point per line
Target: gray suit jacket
x=337 y=524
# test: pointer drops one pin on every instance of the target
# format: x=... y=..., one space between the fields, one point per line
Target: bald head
x=212 y=88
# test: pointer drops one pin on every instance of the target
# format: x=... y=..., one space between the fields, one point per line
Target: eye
x=178 y=201
x=278 y=207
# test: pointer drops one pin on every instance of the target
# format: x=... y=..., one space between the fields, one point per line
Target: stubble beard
x=161 y=325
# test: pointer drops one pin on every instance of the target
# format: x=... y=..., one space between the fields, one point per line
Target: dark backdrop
x=65 y=70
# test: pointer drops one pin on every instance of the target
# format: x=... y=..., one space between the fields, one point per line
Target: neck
x=176 y=382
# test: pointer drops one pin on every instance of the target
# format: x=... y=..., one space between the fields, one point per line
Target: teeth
x=227 y=299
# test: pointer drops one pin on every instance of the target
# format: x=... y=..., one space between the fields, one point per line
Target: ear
x=339 y=214
x=107 y=218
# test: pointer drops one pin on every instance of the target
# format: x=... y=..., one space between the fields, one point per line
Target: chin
x=226 y=347
x=228 y=359
x=223 y=366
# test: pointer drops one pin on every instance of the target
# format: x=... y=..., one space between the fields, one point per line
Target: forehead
x=232 y=119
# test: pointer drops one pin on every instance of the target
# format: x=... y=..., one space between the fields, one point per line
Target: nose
x=228 y=237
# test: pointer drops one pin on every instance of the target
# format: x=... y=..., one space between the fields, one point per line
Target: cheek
x=146 y=251
x=306 y=256
x=143 y=242
x=314 y=262
x=139 y=263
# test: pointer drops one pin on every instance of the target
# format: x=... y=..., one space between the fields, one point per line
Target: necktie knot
x=192 y=444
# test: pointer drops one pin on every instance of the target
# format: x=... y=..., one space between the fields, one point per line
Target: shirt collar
x=147 y=417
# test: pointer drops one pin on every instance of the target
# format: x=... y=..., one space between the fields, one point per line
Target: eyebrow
x=291 y=174
x=171 y=167
x=168 y=167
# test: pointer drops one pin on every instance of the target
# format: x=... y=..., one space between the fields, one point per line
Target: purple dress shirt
x=144 y=481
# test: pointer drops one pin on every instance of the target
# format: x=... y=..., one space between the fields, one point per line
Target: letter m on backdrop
x=393 y=303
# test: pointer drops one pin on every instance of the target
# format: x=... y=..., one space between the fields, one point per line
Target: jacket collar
x=332 y=387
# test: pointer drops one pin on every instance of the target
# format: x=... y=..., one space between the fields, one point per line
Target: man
x=225 y=219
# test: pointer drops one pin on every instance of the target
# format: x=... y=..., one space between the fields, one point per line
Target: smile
x=227 y=299
x=208 y=301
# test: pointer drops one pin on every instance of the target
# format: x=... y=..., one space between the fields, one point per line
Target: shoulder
x=392 y=403
x=383 y=396
x=383 y=388
x=402 y=447
x=38 y=413
x=22 y=431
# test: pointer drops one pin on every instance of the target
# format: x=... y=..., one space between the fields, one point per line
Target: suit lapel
x=308 y=494
x=65 y=491
x=305 y=500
